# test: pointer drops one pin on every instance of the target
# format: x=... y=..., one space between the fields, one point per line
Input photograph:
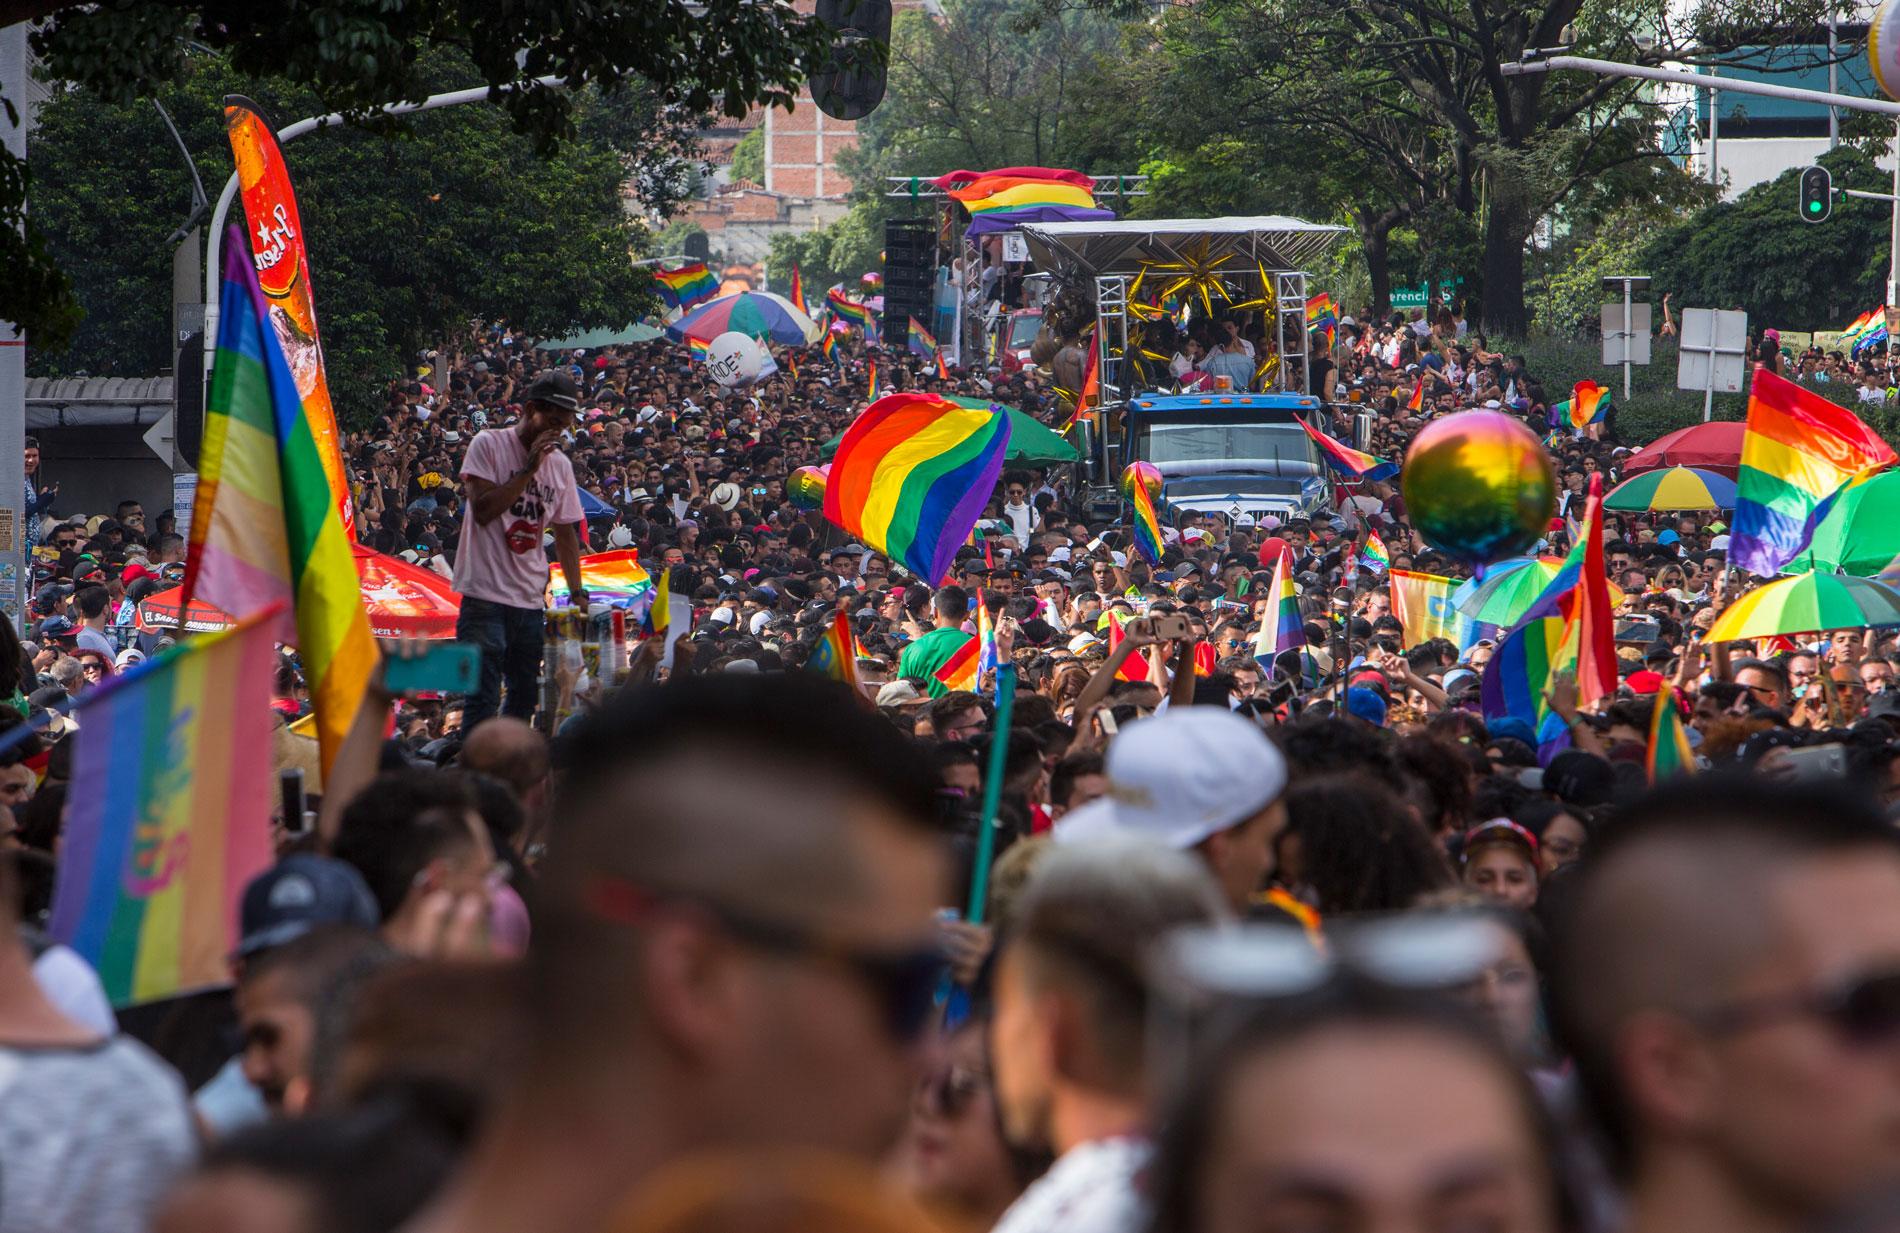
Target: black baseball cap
x=556 y=388
x=299 y=893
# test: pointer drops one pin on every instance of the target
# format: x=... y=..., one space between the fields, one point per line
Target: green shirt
x=922 y=658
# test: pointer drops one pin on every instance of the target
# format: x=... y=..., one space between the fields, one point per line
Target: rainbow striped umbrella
x=1806 y=604
x=1672 y=488
x=756 y=314
x=1510 y=588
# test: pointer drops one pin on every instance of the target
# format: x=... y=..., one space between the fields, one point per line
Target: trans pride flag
x=169 y=815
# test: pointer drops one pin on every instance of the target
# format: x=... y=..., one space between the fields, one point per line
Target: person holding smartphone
x=519 y=484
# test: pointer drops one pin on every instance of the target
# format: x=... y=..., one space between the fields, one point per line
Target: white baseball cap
x=1180 y=777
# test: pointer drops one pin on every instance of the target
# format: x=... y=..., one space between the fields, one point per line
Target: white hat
x=1082 y=642
x=897 y=693
x=619 y=537
x=1718 y=544
x=726 y=496
x=1180 y=777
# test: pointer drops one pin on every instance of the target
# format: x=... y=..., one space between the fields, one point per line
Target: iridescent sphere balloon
x=805 y=487
x=1149 y=476
x=1479 y=486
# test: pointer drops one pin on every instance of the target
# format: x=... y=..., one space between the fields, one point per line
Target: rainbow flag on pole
x=829 y=347
x=836 y=654
x=988 y=659
x=1281 y=628
x=1516 y=682
x=265 y=530
x=846 y=309
x=1321 y=319
x=1423 y=605
x=614 y=578
x=1374 y=556
x=1347 y=462
x=797 y=296
x=1588 y=404
x=1417 y=401
x=169 y=815
x=912 y=475
x=1799 y=452
x=686 y=287
x=1146 y=527
x=1669 y=753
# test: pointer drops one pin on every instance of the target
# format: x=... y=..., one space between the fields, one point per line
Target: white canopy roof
x=1120 y=247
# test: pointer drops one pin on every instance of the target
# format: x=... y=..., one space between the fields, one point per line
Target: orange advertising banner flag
x=283 y=271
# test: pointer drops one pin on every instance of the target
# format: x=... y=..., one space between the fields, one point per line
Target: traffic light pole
x=1540 y=60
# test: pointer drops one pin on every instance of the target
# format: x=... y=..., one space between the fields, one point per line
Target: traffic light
x=1817 y=194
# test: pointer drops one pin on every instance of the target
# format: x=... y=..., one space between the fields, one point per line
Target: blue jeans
x=510 y=640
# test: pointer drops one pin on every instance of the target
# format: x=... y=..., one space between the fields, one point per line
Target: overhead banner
x=283 y=271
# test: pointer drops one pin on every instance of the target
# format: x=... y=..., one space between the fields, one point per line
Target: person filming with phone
x=519 y=484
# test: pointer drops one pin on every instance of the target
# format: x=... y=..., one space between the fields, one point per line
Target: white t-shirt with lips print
x=503 y=562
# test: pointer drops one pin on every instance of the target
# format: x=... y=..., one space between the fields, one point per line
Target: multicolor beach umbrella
x=756 y=314
x=1672 y=488
x=1808 y=603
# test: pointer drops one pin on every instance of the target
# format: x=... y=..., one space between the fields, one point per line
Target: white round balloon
x=1883 y=47
x=734 y=358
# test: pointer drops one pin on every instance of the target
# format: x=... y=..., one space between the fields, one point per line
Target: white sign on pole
x=1625 y=342
x=1015 y=246
x=184 y=495
x=1714 y=353
x=158 y=438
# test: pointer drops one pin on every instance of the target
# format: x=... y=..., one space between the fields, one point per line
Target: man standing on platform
x=519 y=483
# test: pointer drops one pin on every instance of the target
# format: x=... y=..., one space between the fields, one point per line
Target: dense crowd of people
x=1301 y=943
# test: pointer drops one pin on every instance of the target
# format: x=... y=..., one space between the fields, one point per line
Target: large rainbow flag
x=169 y=815
x=686 y=287
x=912 y=475
x=1345 y=461
x=265 y=530
x=1799 y=452
x=1516 y=682
x=1006 y=194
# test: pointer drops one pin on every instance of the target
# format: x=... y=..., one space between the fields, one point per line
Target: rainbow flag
x=1799 y=452
x=1346 y=461
x=912 y=475
x=829 y=347
x=848 y=310
x=960 y=671
x=1516 y=682
x=1374 y=556
x=700 y=348
x=265 y=530
x=797 y=297
x=1002 y=194
x=1580 y=594
x=1146 y=527
x=1423 y=605
x=1861 y=325
x=1669 y=753
x=921 y=343
x=872 y=375
x=616 y=578
x=1417 y=401
x=1321 y=318
x=1281 y=629
x=659 y=612
x=836 y=654
x=1091 y=395
x=1588 y=404
x=686 y=287
x=169 y=815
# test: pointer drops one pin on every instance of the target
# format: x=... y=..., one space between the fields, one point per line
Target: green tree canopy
x=411 y=238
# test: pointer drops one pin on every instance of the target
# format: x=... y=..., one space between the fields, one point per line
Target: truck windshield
x=1256 y=446
x=1022 y=331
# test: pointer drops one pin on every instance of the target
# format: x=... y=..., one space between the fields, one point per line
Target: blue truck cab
x=1233 y=454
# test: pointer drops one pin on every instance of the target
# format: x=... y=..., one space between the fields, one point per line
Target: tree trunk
x=1506 y=227
x=1375 y=240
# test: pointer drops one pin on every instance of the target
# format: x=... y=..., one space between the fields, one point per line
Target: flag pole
x=992 y=792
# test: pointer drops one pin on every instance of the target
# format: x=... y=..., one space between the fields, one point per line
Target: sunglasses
x=903 y=981
x=1864 y=1010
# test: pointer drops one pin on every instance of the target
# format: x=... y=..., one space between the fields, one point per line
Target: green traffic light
x=1814 y=207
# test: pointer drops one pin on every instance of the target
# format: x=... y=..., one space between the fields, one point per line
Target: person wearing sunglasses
x=734 y=947
x=1068 y=1041
x=953 y=1157
x=1726 y=978
x=1356 y=1106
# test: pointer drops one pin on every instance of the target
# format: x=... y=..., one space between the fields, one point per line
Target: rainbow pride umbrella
x=1510 y=587
x=1672 y=488
x=756 y=314
x=1806 y=604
